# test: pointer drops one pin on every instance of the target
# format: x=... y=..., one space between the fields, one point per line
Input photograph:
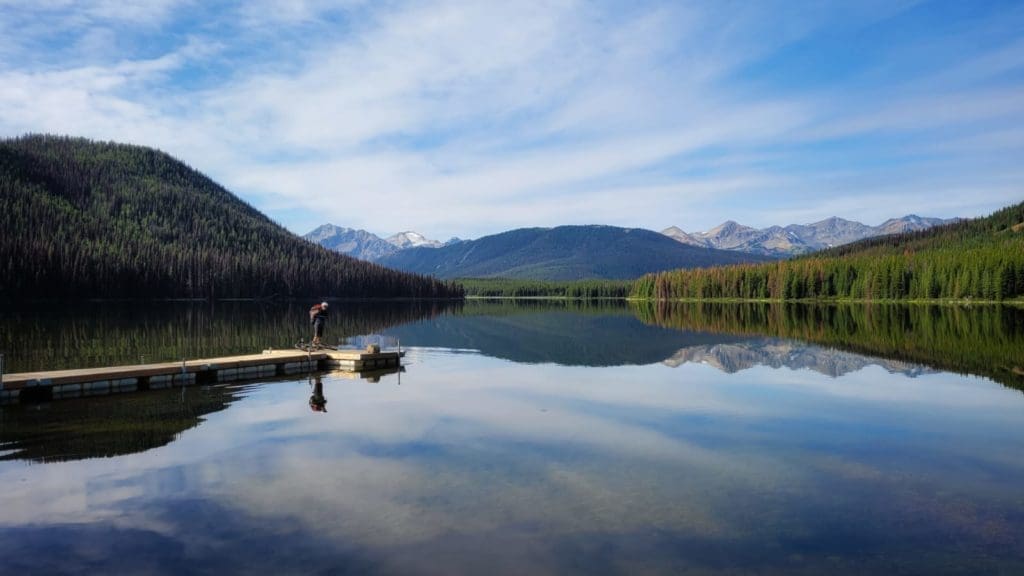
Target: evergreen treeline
x=971 y=259
x=103 y=220
x=515 y=288
x=983 y=340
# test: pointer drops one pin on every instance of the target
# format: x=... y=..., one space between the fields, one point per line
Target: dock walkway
x=56 y=384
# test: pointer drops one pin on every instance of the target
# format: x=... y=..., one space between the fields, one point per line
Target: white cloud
x=148 y=12
x=456 y=118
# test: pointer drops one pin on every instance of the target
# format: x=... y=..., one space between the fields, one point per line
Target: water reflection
x=982 y=340
x=559 y=332
x=119 y=333
x=689 y=452
x=106 y=426
x=484 y=465
x=792 y=354
x=912 y=341
x=317 y=401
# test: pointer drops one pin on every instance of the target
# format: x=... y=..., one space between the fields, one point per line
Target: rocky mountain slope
x=356 y=243
x=367 y=245
x=797 y=239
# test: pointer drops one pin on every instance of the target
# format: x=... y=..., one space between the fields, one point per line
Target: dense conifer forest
x=86 y=219
x=980 y=259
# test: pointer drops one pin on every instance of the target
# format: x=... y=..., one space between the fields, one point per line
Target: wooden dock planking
x=79 y=375
x=94 y=381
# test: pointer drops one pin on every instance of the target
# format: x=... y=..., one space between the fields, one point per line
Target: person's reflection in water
x=317 y=402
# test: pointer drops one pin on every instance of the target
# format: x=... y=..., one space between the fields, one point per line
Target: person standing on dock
x=318 y=318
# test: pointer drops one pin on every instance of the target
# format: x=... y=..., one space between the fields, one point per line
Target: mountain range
x=572 y=252
x=797 y=239
x=367 y=245
x=773 y=241
x=561 y=253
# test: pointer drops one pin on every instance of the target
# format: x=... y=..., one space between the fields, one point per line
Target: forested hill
x=87 y=219
x=972 y=259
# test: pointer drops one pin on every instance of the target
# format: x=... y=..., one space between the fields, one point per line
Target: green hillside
x=102 y=220
x=562 y=253
x=972 y=259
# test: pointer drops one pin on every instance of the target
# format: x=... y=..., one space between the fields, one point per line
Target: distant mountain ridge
x=367 y=245
x=356 y=243
x=796 y=239
x=561 y=253
x=774 y=241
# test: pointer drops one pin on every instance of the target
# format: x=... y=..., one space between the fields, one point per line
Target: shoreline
x=142 y=300
x=929 y=302
x=934 y=302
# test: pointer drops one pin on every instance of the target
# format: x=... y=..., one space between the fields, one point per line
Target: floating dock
x=58 y=384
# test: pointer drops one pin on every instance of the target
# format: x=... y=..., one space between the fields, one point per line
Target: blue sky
x=458 y=118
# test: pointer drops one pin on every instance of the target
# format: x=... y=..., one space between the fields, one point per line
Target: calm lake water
x=529 y=438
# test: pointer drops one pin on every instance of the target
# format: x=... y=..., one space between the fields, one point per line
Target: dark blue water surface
x=531 y=442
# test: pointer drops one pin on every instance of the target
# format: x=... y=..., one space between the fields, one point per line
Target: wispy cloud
x=458 y=118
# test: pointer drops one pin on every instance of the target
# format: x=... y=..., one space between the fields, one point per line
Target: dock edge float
x=59 y=384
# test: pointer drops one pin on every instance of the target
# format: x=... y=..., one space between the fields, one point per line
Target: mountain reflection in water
x=981 y=340
x=587 y=440
x=568 y=334
x=776 y=353
x=911 y=341
x=985 y=340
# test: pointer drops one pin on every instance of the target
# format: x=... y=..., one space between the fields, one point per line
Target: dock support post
x=1 y=371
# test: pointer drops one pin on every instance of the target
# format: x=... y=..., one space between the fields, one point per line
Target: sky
x=459 y=118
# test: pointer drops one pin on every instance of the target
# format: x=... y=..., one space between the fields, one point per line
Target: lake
x=528 y=437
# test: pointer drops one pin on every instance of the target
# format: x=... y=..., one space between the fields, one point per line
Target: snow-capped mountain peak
x=410 y=239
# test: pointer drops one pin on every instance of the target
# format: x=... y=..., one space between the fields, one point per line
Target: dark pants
x=318 y=327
